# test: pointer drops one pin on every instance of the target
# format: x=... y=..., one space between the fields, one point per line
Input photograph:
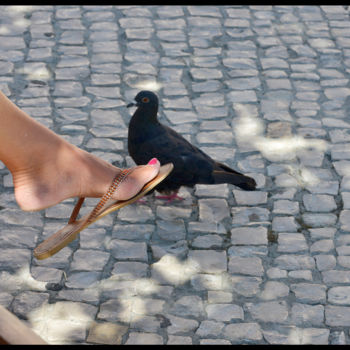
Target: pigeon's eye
x=145 y=100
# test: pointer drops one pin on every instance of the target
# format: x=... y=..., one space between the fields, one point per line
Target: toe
x=135 y=181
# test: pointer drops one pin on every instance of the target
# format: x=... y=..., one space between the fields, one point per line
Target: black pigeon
x=148 y=138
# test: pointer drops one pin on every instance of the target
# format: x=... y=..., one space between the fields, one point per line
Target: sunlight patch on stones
x=21 y=280
x=149 y=85
x=62 y=322
x=36 y=72
x=19 y=8
x=249 y=132
x=170 y=269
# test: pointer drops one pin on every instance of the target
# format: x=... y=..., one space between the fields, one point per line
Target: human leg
x=47 y=169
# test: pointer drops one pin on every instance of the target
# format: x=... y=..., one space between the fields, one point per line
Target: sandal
x=67 y=234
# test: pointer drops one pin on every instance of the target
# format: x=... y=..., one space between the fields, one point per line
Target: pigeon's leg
x=171 y=197
x=141 y=201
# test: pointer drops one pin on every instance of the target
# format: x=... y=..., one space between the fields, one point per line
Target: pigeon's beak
x=131 y=104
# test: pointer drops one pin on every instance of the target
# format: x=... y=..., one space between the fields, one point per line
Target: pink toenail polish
x=153 y=161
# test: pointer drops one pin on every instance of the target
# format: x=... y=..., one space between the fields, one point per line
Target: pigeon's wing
x=186 y=145
x=191 y=165
x=222 y=167
x=199 y=168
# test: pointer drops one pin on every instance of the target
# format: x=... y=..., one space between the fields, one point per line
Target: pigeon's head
x=145 y=100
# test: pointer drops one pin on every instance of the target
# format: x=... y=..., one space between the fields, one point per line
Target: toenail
x=153 y=161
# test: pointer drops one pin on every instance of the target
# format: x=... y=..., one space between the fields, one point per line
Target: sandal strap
x=115 y=183
x=118 y=179
x=76 y=210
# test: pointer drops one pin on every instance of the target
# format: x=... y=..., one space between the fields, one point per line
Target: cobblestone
x=237 y=332
x=264 y=89
x=269 y=311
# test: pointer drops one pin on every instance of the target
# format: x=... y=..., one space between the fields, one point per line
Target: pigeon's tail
x=245 y=182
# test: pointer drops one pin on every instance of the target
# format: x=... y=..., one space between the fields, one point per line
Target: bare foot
x=74 y=173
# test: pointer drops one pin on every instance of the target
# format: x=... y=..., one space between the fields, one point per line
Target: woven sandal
x=67 y=234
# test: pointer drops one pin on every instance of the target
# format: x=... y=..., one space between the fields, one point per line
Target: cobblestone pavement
x=264 y=89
